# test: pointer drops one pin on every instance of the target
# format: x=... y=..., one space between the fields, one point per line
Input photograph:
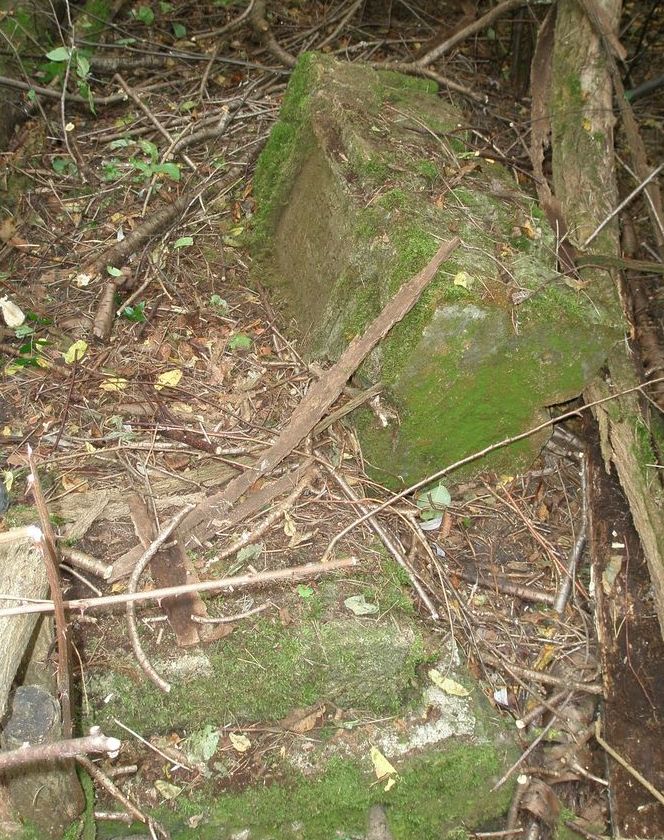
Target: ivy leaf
x=145 y=15
x=59 y=54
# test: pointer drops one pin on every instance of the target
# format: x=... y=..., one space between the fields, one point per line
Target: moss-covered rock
x=363 y=175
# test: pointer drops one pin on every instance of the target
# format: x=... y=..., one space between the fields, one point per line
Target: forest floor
x=192 y=373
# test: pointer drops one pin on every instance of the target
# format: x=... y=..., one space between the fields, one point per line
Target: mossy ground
x=434 y=795
x=266 y=669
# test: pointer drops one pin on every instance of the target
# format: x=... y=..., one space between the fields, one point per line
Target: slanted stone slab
x=363 y=175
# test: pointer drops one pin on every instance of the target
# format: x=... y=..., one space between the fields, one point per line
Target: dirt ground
x=189 y=372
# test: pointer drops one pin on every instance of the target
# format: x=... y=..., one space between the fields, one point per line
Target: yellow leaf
x=76 y=352
x=240 y=742
x=382 y=766
x=447 y=685
x=587 y=125
x=115 y=383
x=290 y=528
x=89 y=448
x=8 y=479
x=463 y=279
x=169 y=379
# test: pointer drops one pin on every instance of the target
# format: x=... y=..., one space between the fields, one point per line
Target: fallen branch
x=258 y=578
x=157 y=830
x=472 y=29
x=262 y=28
x=47 y=545
x=95 y=742
x=275 y=513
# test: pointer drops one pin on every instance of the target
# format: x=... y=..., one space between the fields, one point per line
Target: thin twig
x=153 y=119
x=276 y=513
x=385 y=538
x=480 y=454
x=565 y=586
x=103 y=780
x=623 y=204
x=659 y=796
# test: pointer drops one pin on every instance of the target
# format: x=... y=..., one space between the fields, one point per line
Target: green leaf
x=189 y=105
x=165 y=8
x=135 y=313
x=304 y=591
x=219 y=303
x=240 y=342
x=145 y=15
x=59 y=54
x=359 y=605
x=183 y=242
x=64 y=166
x=149 y=148
x=23 y=331
x=433 y=499
x=201 y=745
x=250 y=552
x=82 y=65
x=113 y=271
x=121 y=143
x=179 y=30
x=170 y=169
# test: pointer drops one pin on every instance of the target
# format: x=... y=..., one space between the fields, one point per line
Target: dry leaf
x=169 y=379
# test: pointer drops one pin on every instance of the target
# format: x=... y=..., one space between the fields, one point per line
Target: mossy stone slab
x=367 y=682
x=362 y=177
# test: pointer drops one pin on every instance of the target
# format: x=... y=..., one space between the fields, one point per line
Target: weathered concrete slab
x=363 y=175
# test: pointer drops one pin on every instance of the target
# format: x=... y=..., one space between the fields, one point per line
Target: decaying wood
x=323 y=392
x=631 y=650
x=150 y=552
x=587 y=192
x=32 y=583
x=170 y=567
